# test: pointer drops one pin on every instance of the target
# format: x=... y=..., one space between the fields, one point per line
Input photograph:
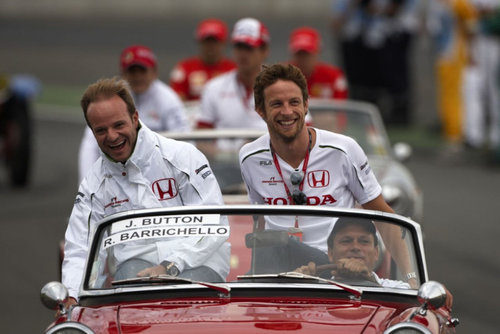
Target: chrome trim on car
x=60 y=328
x=401 y=327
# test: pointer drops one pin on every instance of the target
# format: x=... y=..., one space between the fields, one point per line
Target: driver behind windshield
x=353 y=251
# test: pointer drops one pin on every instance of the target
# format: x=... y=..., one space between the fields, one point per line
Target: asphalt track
x=461 y=198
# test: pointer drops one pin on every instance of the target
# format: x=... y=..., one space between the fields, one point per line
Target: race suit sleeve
x=362 y=181
x=198 y=186
x=88 y=154
x=76 y=243
x=174 y=116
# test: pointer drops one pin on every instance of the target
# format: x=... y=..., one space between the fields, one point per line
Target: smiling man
x=158 y=104
x=297 y=164
x=139 y=169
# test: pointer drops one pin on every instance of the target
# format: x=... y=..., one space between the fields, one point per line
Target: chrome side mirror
x=402 y=151
x=53 y=295
x=432 y=295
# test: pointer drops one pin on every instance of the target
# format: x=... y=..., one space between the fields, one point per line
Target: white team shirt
x=160 y=108
x=225 y=104
x=337 y=174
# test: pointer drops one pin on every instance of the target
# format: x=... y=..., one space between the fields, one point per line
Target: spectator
x=190 y=75
x=375 y=38
x=451 y=22
x=481 y=89
x=227 y=100
x=323 y=80
x=159 y=106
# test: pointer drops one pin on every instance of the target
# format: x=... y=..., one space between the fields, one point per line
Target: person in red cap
x=323 y=80
x=160 y=108
x=190 y=75
x=227 y=100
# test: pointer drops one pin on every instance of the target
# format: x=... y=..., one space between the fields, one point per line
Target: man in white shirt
x=159 y=106
x=227 y=101
x=138 y=169
x=297 y=164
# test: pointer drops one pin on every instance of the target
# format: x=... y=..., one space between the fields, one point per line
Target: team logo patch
x=272 y=181
x=165 y=189
x=318 y=178
x=115 y=202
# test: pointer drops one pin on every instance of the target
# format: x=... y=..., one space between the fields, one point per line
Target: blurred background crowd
x=355 y=49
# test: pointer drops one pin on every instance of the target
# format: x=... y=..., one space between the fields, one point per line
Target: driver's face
x=354 y=242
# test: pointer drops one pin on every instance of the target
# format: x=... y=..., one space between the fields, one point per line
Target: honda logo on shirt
x=165 y=189
x=318 y=178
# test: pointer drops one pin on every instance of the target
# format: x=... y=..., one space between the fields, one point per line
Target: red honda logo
x=165 y=189
x=318 y=178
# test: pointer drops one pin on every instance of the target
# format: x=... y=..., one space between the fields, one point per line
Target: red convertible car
x=365 y=272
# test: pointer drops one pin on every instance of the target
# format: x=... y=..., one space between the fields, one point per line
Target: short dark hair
x=344 y=222
x=104 y=89
x=270 y=74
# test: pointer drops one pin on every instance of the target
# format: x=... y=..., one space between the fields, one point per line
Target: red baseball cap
x=137 y=55
x=251 y=32
x=211 y=28
x=305 y=39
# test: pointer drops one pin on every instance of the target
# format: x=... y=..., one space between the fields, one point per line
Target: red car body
x=259 y=306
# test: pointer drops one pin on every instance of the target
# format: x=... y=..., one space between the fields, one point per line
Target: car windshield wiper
x=292 y=274
x=172 y=279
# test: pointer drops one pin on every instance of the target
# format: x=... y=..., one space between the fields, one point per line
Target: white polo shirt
x=337 y=174
x=226 y=104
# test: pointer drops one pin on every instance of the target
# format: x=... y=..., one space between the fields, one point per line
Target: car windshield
x=254 y=246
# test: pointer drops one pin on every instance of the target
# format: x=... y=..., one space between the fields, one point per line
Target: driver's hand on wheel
x=310 y=269
x=353 y=268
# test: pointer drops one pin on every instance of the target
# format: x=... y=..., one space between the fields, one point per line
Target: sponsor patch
x=265 y=163
x=272 y=181
x=197 y=171
x=115 y=202
x=206 y=174
x=165 y=189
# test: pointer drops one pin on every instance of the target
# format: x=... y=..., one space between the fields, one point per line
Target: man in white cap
x=159 y=106
x=227 y=100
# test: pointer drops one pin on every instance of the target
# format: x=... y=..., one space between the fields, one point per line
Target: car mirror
x=53 y=295
x=432 y=294
x=402 y=151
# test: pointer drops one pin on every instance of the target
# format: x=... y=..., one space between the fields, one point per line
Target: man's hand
x=353 y=268
x=310 y=269
x=152 y=271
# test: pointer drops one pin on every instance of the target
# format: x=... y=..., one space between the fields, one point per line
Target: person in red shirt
x=190 y=75
x=323 y=80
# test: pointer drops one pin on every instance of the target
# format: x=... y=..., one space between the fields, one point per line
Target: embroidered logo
x=165 y=189
x=318 y=178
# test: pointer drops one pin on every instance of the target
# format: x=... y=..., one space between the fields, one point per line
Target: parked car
x=359 y=120
x=258 y=295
